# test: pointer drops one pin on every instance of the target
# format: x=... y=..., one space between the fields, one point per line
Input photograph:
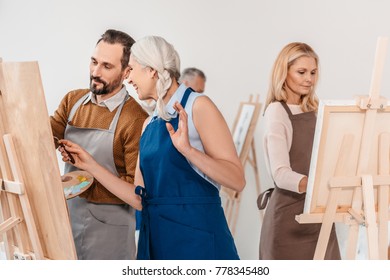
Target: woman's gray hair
x=155 y=52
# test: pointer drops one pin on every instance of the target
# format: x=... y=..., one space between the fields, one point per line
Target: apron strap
x=285 y=106
x=118 y=113
x=76 y=106
x=185 y=97
x=143 y=240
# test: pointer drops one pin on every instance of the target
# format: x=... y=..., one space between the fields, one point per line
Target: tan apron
x=100 y=231
x=282 y=237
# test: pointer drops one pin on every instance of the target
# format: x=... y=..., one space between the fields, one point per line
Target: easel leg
x=234 y=215
x=7 y=238
x=369 y=212
x=327 y=223
x=24 y=201
x=11 y=208
x=353 y=235
x=383 y=195
x=253 y=163
x=383 y=213
x=255 y=167
x=334 y=193
x=17 y=208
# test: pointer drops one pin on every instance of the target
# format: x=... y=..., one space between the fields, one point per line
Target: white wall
x=234 y=42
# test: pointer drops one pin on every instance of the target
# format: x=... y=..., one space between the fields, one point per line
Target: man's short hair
x=112 y=36
x=190 y=73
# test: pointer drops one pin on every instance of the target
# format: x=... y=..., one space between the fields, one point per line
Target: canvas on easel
x=349 y=170
x=243 y=137
x=34 y=221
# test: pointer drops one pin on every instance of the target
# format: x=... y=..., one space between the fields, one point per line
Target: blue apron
x=182 y=217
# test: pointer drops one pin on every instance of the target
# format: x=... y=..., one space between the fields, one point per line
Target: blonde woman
x=289 y=119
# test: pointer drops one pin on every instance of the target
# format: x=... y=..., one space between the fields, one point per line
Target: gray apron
x=100 y=231
x=282 y=237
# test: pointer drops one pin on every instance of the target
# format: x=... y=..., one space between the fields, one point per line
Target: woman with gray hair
x=186 y=154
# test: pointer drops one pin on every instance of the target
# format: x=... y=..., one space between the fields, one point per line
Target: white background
x=233 y=42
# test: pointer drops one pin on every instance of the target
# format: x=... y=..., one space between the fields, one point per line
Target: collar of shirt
x=111 y=103
x=177 y=96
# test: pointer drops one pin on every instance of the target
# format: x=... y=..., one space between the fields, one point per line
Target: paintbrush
x=71 y=159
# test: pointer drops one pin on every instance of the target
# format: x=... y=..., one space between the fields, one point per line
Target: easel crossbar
x=345 y=218
x=12 y=187
x=9 y=224
x=356 y=181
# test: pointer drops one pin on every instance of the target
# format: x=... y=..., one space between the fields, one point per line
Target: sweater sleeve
x=277 y=144
x=59 y=119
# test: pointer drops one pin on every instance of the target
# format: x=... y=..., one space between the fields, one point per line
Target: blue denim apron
x=182 y=217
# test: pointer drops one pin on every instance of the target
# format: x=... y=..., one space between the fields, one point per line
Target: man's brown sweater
x=126 y=137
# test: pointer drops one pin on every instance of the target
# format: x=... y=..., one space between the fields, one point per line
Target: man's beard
x=107 y=87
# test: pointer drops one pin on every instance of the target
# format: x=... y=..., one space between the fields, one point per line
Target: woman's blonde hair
x=288 y=55
x=155 y=52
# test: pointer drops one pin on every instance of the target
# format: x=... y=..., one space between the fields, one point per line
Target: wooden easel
x=18 y=223
x=34 y=222
x=363 y=208
x=18 y=226
x=247 y=155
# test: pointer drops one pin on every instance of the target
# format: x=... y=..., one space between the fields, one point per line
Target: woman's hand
x=180 y=136
x=83 y=160
x=118 y=187
x=303 y=184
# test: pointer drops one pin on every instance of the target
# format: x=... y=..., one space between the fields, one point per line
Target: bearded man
x=107 y=122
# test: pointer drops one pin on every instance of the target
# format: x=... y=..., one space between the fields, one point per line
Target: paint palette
x=75 y=183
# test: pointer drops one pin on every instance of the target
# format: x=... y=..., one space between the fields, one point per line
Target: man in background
x=193 y=78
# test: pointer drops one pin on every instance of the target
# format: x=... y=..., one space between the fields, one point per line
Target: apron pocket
x=105 y=241
x=183 y=242
x=111 y=214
